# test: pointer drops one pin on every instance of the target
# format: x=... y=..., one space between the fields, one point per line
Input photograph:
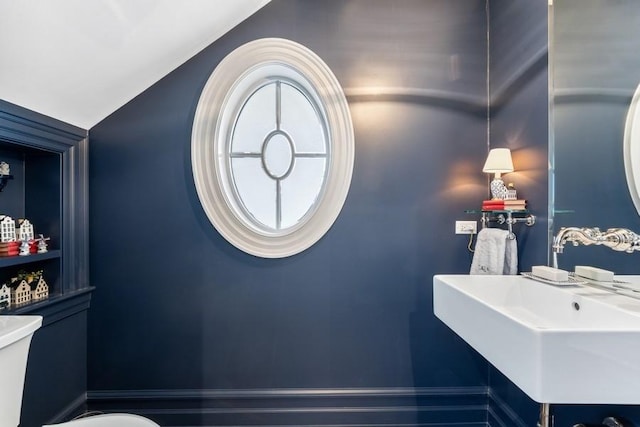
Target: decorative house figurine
x=7 y=229
x=8 y=244
x=28 y=287
x=25 y=231
x=20 y=292
x=39 y=289
x=5 y=296
x=25 y=236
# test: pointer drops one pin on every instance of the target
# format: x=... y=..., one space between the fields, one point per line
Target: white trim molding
x=230 y=85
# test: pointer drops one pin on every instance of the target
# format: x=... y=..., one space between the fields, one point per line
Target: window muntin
x=290 y=141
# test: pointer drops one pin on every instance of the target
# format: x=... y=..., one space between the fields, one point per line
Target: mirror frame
x=631 y=150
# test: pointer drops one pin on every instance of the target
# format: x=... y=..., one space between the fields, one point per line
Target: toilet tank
x=15 y=338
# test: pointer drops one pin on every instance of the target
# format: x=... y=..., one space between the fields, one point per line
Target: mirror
x=595 y=69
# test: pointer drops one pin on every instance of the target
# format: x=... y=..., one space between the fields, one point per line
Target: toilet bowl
x=15 y=339
x=109 y=420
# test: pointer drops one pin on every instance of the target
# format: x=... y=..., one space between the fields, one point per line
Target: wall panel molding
x=60 y=307
x=17 y=124
x=410 y=407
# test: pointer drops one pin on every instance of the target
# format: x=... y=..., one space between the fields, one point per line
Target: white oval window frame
x=212 y=126
x=632 y=149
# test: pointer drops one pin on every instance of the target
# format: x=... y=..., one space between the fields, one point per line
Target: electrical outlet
x=466 y=227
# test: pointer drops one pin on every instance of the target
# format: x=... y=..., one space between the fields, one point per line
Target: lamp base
x=498 y=189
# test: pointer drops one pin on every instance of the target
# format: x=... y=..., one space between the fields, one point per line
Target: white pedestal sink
x=572 y=345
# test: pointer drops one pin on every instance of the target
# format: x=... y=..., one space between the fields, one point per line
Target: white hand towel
x=495 y=253
x=511 y=256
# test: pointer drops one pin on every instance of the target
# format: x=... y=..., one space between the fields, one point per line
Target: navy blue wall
x=178 y=311
x=56 y=378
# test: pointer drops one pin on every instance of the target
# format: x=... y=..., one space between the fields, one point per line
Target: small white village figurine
x=23 y=289
x=20 y=240
x=25 y=231
x=25 y=235
x=39 y=289
x=7 y=229
x=20 y=293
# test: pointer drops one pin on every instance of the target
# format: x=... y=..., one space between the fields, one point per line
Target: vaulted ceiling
x=80 y=60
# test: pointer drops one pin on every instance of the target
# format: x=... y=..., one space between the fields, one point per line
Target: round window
x=272 y=148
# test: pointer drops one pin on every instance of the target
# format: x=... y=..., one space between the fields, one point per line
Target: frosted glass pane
x=256 y=120
x=300 y=121
x=277 y=156
x=301 y=189
x=257 y=192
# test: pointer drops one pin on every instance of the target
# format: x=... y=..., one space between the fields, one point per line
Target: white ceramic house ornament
x=21 y=294
x=25 y=232
x=39 y=289
x=7 y=229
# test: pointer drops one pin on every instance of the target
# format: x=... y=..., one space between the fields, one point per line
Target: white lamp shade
x=498 y=161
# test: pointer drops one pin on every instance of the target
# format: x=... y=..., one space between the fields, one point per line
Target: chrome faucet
x=618 y=239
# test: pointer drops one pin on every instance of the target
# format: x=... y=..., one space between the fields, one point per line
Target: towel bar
x=507 y=217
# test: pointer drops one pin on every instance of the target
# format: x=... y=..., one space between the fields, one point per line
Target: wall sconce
x=498 y=162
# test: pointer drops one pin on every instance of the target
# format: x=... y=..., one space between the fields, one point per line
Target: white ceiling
x=80 y=60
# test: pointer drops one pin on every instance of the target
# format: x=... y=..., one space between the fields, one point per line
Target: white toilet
x=15 y=338
x=109 y=420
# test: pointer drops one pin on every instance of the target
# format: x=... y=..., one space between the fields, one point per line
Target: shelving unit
x=48 y=161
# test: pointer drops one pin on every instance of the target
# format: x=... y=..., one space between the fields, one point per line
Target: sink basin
x=571 y=344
